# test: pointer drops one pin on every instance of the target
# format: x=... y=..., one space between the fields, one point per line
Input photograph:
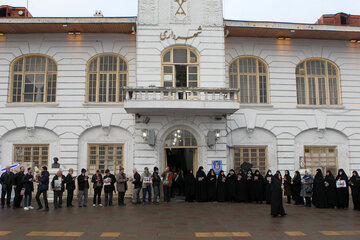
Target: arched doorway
x=180 y=150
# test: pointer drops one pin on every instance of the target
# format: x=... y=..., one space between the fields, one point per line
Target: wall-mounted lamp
x=217 y=134
x=284 y=38
x=133 y=30
x=355 y=41
x=74 y=33
x=145 y=134
x=2 y=34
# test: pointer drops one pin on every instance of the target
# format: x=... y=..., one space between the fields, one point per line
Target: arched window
x=250 y=76
x=180 y=67
x=317 y=82
x=33 y=79
x=106 y=78
x=180 y=138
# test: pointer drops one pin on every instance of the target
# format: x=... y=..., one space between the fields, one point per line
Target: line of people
x=243 y=186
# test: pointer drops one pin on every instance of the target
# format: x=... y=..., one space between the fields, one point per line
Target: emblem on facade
x=180 y=10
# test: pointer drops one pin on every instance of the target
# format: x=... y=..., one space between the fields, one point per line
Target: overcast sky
x=302 y=11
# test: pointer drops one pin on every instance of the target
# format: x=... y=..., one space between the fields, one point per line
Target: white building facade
x=179 y=86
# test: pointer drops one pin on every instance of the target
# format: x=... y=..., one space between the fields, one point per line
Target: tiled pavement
x=180 y=221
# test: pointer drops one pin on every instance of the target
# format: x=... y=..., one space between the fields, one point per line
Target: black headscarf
x=287 y=176
x=319 y=174
x=209 y=173
x=354 y=178
x=342 y=175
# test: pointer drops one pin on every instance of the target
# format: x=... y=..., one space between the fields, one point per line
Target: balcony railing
x=182 y=94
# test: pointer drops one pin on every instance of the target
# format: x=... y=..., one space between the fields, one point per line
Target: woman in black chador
x=342 y=190
x=267 y=187
x=355 y=189
x=287 y=186
x=190 y=183
x=201 y=195
x=221 y=187
x=257 y=187
x=231 y=186
x=330 y=189
x=277 y=207
x=319 y=193
x=249 y=180
x=211 y=185
x=241 y=195
x=296 y=189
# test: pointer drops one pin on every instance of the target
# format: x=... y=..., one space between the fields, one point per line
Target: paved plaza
x=179 y=221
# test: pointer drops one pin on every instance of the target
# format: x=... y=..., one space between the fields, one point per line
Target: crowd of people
x=242 y=186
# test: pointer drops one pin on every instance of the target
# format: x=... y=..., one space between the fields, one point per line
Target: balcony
x=199 y=101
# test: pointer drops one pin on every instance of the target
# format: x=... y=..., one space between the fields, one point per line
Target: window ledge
x=246 y=105
x=46 y=105
x=321 y=106
x=103 y=104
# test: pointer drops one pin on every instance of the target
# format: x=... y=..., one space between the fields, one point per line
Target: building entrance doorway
x=180 y=159
x=180 y=155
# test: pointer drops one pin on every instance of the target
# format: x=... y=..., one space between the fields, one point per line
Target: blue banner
x=217 y=166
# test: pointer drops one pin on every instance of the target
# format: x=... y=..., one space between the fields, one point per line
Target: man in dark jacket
x=58 y=186
x=6 y=187
x=83 y=185
x=29 y=188
x=70 y=187
x=109 y=188
x=18 y=184
x=156 y=185
x=137 y=186
x=43 y=187
x=97 y=181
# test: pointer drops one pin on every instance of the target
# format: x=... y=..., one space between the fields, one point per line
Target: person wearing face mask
x=221 y=187
x=342 y=190
x=257 y=187
x=267 y=186
x=330 y=189
x=355 y=189
x=18 y=184
x=70 y=187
